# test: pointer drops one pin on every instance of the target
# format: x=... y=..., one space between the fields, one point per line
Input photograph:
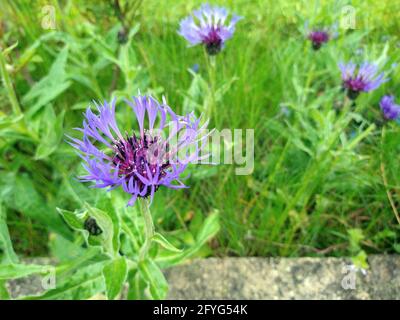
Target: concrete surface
x=285 y=278
x=273 y=278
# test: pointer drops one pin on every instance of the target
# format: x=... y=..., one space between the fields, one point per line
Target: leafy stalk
x=9 y=87
x=211 y=69
x=149 y=228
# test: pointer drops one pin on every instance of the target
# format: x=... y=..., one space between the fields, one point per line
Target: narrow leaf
x=155 y=279
x=161 y=240
x=15 y=271
x=115 y=274
x=5 y=241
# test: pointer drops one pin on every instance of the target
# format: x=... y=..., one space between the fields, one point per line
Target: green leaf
x=5 y=241
x=155 y=279
x=74 y=219
x=83 y=80
x=360 y=260
x=105 y=50
x=193 y=98
x=49 y=87
x=6 y=122
x=27 y=55
x=45 y=98
x=224 y=88
x=52 y=133
x=7 y=50
x=81 y=285
x=65 y=250
x=4 y=295
x=355 y=238
x=115 y=274
x=15 y=271
x=160 y=239
x=86 y=257
x=137 y=286
x=23 y=197
x=116 y=228
x=209 y=229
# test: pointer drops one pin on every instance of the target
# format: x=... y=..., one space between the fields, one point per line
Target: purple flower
x=390 y=110
x=142 y=161
x=365 y=79
x=318 y=38
x=209 y=26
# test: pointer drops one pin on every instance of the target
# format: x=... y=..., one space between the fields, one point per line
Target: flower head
x=390 y=110
x=318 y=38
x=143 y=160
x=365 y=79
x=208 y=26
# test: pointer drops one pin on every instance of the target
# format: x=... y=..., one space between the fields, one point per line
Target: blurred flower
x=320 y=36
x=365 y=79
x=139 y=163
x=210 y=28
x=390 y=110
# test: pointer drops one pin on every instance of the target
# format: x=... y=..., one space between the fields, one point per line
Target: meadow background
x=317 y=188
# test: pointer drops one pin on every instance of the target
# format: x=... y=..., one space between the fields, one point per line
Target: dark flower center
x=213 y=41
x=318 y=38
x=139 y=156
x=356 y=84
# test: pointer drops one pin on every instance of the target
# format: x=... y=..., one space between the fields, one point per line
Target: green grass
x=317 y=175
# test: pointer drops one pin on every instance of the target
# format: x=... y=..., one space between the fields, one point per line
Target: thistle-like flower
x=210 y=28
x=365 y=79
x=318 y=38
x=390 y=110
x=320 y=35
x=143 y=160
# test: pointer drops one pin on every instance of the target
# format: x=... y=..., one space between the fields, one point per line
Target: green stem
x=149 y=228
x=128 y=231
x=211 y=70
x=9 y=87
x=13 y=98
